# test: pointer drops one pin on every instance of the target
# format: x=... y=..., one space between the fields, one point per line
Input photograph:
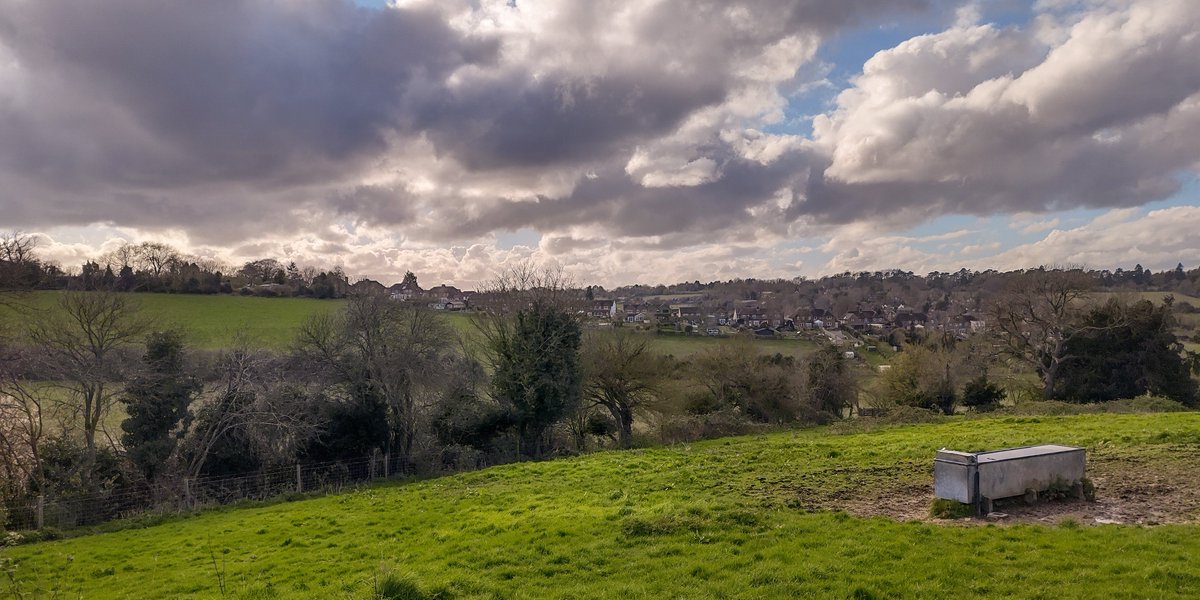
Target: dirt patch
x=1147 y=485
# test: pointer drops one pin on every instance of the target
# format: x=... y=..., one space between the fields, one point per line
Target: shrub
x=982 y=395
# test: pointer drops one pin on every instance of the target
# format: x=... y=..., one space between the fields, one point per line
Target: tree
x=386 y=360
x=157 y=401
x=1034 y=319
x=260 y=271
x=156 y=257
x=1124 y=351
x=19 y=266
x=831 y=385
x=253 y=415
x=924 y=377
x=766 y=389
x=82 y=344
x=532 y=338
x=25 y=409
x=622 y=376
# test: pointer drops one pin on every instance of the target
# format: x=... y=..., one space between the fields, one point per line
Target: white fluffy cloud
x=643 y=141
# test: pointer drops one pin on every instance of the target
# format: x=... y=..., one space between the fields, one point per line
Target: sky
x=647 y=141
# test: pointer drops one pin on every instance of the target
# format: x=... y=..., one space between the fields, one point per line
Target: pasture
x=810 y=513
x=219 y=321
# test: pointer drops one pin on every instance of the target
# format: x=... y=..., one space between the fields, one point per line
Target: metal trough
x=980 y=477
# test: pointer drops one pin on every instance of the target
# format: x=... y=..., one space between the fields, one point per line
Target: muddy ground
x=1132 y=487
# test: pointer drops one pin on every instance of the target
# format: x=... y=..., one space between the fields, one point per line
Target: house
x=965 y=324
x=448 y=292
x=685 y=311
x=403 y=292
x=603 y=309
x=911 y=320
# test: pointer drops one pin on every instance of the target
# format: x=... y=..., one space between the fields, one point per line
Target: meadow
x=214 y=322
x=809 y=513
x=219 y=321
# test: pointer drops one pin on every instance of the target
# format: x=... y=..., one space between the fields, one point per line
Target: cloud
x=641 y=130
x=1159 y=239
x=985 y=120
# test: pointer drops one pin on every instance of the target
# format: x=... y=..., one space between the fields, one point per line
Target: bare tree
x=1037 y=315
x=125 y=255
x=386 y=350
x=157 y=257
x=24 y=410
x=17 y=247
x=83 y=343
x=252 y=398
x=19 y=267
x=621 y=376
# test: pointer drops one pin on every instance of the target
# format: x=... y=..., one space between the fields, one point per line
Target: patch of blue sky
x=843 y=56
x=528 y=237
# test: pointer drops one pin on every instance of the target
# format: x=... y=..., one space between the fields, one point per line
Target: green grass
x=213 y=322
x=683 y=346
x=740 y=517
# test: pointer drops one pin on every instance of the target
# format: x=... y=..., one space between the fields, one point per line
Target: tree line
x=96 y=397
x=156 y=267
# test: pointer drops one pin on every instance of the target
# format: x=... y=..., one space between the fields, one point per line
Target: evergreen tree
x=1125 y=351
x=156 y=401
x=538 y=376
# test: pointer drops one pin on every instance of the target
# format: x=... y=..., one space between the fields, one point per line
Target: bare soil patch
x=1147 y=485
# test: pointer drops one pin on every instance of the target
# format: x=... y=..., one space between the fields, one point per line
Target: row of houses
x=441 y=297
x=751 y=316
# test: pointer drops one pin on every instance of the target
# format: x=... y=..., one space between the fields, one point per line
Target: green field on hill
x=749 y=517
x=213 y=322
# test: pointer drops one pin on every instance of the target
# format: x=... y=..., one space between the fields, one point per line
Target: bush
x=982 y=395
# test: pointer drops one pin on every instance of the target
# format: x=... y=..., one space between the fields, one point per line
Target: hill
x=216 y=321
x=793 y=514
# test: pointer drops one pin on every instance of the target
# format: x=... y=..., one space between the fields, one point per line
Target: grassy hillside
x=742 y=517
x=215 y=321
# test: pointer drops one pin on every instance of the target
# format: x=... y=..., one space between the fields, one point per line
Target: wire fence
x=191 y=494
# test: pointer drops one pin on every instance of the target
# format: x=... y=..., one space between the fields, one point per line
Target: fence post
x=187 y=493
x=41 y=511
x=387 y=461
x=299 y=480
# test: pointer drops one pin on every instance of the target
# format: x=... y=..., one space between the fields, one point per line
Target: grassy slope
x=724 y=518
x=214 y=322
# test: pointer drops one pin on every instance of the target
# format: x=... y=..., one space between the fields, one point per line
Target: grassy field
x=212 y=322
x=215 y=321
x=734 y=518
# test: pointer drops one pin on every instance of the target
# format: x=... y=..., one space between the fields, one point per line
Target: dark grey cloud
x=221 y=118
x=236 y=117
x=267 y=93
